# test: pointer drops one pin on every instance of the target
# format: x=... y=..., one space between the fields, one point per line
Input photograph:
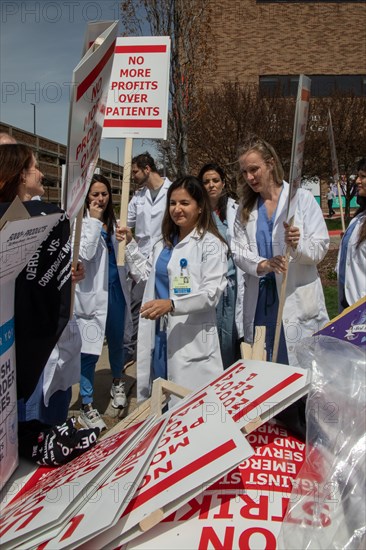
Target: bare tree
x=231 y=111
x=187 y=22
x=227 y=113
x=349 y=126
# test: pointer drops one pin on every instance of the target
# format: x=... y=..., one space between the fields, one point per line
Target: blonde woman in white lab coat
x=261 y=236
x=185 y=277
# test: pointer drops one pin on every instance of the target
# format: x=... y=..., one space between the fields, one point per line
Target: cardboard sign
x=298 y=140
x=244 y=509
x=349 y=326
x=19 y=240
x=253 y=391
x=333 y=152
x=42 y=511
x=137 y=105
x=114 y=494
x=90 y=83
x=194 y=449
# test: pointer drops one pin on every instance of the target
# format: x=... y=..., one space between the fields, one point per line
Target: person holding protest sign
x=351 y=264
x=229 y=309
x=101 y=299
x=145 y=215
x=41 y=315
x=185 y=277
x=261 y=236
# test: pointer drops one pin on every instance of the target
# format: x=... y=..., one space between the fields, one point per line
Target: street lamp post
x=34 y=118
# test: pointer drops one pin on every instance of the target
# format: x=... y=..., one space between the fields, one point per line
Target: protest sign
x=335 y=170
x=41 y=512
x=298 y=141
x=137 y=105
x=93 y=30
x=114 y=494
x=90 y=82
x=195 y=449
x=19 y=240
x=297 y=157
x=254 y=391
x=349 y=326
x=244 y=509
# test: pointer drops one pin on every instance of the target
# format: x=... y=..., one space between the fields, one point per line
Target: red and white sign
x=40 y=513
x=252 y=390
x=244 y=509
x=137 y=105
x=93 y=30
x=113 y=495
x=298 y=140
x=195 y=450
x=90 y=85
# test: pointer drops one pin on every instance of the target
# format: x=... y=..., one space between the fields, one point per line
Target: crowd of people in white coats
x=202 y=271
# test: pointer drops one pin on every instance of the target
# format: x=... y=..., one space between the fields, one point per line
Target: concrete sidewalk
x=102 y=386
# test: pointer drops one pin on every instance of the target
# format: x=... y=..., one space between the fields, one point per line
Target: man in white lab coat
x=145 y=215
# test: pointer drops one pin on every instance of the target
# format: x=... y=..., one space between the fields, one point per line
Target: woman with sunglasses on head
x=229 y=310
x=185 y=277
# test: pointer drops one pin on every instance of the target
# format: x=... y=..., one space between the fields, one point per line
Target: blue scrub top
x=267 y=304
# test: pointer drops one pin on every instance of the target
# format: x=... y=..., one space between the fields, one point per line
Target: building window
x=321 y=85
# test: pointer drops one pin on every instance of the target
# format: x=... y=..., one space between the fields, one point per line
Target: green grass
x=333 y=225
x=331 y=300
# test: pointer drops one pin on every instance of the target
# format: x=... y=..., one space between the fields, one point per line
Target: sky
x=40 y=45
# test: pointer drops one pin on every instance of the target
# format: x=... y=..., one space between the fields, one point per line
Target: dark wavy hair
x=109 y=217
x=222 y=202
x=14 y=159
x=361 y=165
x=205 y=222
x=248 y=197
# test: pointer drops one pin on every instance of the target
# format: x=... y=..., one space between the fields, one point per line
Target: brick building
x=51 y=157
x=271 y=42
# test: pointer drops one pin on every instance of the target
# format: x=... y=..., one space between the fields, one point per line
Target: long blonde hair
x=247 y=196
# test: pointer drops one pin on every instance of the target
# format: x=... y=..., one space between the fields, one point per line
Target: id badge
x=181 y=285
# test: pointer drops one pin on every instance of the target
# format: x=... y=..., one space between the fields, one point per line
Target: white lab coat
x=304 y=309
x=91 y=294
x=355 y=274
x=146 y=216
x=192 y=341
x=231 y=210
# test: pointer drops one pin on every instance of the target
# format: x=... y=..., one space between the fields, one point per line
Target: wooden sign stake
x=125 y=194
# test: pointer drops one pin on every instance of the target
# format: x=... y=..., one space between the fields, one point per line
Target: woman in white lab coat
x=230 y=308
x=261 y=236
x=185 y=274
x=100 y=300
x=351 y=265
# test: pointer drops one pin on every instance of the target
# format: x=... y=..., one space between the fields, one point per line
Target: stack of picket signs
x=210 y=472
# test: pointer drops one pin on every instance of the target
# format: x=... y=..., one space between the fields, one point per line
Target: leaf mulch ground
x=326 y=268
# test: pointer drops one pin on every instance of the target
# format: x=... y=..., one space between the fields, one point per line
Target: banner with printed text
x=90 y=83
x=137 y=105
x=19 y=240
